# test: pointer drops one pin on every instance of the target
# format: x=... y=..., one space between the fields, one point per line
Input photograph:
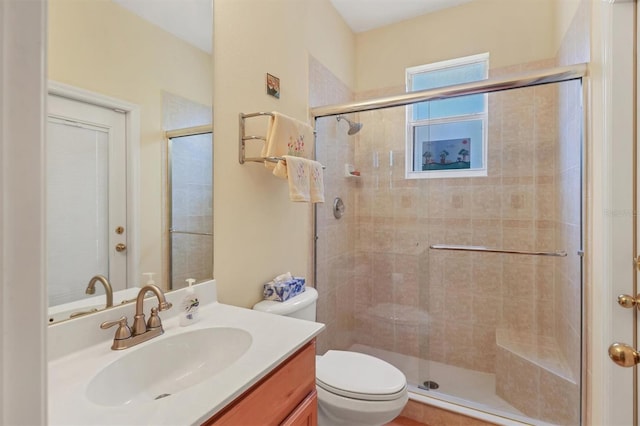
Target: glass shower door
x=191 y=208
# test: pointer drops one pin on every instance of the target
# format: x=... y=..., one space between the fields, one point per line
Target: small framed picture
x=273 y=86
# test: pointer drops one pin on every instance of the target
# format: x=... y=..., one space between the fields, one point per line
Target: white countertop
x=274 y=339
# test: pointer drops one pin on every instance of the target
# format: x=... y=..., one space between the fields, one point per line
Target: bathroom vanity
x=287 y=396
x=234 y=366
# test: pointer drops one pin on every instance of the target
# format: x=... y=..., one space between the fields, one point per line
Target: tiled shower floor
x=470 y=388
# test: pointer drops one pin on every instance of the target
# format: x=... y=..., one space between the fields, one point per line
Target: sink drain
x=162 y=395
x=429 y=385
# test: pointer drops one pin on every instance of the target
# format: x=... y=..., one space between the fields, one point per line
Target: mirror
x=151 y=80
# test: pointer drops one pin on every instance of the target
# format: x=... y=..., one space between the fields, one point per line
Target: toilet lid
x=359 y=376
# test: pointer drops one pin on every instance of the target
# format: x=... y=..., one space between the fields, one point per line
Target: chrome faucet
x=127 y=337
x=91 y=288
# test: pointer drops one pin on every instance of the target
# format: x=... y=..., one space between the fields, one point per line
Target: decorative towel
x=298 y=177
x=305 y=178
x=316 y=184
x=287 y=136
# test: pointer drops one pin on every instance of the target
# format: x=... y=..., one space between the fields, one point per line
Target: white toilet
x=353 y=389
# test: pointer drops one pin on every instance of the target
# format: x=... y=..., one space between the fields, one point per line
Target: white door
x=621 y=207
x=86 y=197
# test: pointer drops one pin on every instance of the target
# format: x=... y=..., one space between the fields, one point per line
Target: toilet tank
x=302 y=306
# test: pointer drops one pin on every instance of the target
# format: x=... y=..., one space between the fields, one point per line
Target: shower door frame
x=516 y=81
x=169 y=136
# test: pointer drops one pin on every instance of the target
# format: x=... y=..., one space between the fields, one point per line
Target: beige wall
x=102 y=47
x=515 y=32
x=259 y=233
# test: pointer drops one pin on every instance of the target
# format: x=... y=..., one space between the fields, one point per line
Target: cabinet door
x=306 y=414
x=276 y=396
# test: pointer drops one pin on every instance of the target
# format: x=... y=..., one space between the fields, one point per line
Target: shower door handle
x=624 y=355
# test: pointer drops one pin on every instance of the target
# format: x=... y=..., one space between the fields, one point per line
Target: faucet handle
x=123 y=331
x=154 y=320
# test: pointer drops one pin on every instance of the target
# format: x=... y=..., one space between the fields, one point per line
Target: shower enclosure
x=404 y=273
x=190 y=209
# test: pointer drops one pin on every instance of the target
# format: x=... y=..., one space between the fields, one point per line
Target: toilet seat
x=359 y=376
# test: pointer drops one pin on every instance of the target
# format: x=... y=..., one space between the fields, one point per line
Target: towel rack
x=243 y=137
x=492 y=250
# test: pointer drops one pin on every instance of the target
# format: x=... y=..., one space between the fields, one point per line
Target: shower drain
x=428 y=385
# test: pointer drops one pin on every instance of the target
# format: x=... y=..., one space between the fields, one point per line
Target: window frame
x=412 y=124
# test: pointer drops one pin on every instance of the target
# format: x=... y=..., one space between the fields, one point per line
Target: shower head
x=353 y=126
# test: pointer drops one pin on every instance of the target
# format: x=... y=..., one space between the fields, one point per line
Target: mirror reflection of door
x=86 y=197
x=191 y=205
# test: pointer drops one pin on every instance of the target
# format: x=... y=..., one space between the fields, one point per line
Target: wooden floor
x=403 y=421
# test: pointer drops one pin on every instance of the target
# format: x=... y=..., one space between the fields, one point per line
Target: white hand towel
x=316 y=184
x=298 y=177
x=305 y=177
x=287 y=136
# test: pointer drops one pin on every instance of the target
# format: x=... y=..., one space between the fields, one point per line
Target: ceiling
x=365 y=15
x=360 y=15
x=190 y=20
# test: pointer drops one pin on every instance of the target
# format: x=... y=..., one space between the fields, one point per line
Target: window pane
x=449 y=76
x=463 y=105
x=448 y=146
x=470 y=104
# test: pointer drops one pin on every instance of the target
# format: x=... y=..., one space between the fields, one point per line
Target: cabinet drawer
x=271 y=400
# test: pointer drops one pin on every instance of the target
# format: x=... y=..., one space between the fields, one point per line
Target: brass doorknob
x=627 y=301
x=121 y=247
x=623 y=355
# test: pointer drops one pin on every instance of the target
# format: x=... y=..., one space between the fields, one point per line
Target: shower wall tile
x=544 y=278
x=487 y=310
x=519 y=314
x=488 y=279
x=407 y=339
x=517 y=201
x=486 y=202
x=436 y=305
x=459 y=351
x=519 y=279
x=518 y=235
x=517 y=158
x=459 y=305
x=484 y=337
x=560 y=402
x=457 y=275
x=487 y=232
x=545 y=318
x=336 y=277
x=458 y=231
x=521 y=385
x=518 y=121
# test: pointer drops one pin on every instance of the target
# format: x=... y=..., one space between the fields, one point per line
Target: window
x=448 y=137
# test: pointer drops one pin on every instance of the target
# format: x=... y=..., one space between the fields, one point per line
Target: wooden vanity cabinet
x=306 y=414
x=286 y=396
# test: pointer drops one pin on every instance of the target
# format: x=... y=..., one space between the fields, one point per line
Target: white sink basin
x=167 y=366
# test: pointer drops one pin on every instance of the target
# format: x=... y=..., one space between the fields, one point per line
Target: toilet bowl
x=357 y=389
x=354 y=389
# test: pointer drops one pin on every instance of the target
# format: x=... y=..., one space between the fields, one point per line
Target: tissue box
x=282 y=291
